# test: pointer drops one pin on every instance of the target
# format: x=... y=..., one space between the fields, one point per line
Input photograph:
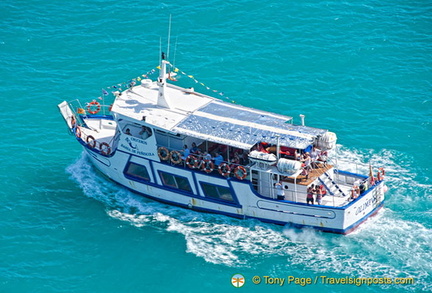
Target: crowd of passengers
x=218 y=153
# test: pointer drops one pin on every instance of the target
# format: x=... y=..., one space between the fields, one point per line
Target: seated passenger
x=194 y=148
x=207 y=156
x=323 y=156
x=145 y=132
x=235 y=161
x=218 y=159
x=186 y=152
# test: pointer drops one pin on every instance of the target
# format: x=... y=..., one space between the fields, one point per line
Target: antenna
x=169 y=36
x=160 y=49
x=175 y=52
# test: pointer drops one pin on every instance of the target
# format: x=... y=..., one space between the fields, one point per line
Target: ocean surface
x=362 y=69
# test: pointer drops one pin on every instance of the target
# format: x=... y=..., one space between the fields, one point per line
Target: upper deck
x=194 y=114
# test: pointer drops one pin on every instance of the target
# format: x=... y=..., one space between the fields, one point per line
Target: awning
x=243 y=127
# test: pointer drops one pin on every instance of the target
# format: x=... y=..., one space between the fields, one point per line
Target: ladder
x=332 y=187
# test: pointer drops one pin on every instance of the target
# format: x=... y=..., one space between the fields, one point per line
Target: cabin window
x=217 y=192
x=175 y=181
x=137 y=172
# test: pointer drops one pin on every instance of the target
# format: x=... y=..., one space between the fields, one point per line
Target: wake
x=386 y=245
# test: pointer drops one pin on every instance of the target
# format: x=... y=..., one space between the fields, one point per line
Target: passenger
x=310 y=195
x=243 y=157
x=323 y=157
x=235 y=161
x=314 y=155
x=363 y=187
x=127 y=132
x=186 y=152
x=279 y=191
x=305 y=172
x=355 y=191
x=307 y=161
x=218 y=159
x=319 y=194
x=194 y=148
x=207 y=156
x=145 y=132
x=297 y=155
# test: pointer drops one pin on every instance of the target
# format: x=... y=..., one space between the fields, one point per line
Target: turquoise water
x=360 y=68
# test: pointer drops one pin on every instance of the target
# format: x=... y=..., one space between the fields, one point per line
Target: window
x=175 y=181
x=137 y=172
x=217 y=192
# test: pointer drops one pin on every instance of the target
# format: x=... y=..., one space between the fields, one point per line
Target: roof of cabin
x=208 y=118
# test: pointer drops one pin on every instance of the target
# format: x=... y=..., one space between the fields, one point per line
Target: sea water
x=359 y=68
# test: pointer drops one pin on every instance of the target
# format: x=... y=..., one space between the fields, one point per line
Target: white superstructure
x=185 y=148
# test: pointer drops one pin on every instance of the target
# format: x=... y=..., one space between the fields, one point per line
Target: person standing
x=310 y=194
x=279 y=191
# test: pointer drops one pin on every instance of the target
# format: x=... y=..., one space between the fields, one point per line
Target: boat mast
x=163 y=98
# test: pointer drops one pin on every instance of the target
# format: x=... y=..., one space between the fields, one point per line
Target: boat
x=181 y=147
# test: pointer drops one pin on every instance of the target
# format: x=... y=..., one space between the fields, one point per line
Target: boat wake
x=379 y=248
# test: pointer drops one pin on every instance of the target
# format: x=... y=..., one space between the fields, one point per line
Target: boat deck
x=317 y=170
x=327 y=200
x=314 y=173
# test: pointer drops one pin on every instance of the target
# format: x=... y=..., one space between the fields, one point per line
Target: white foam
x=387 y=245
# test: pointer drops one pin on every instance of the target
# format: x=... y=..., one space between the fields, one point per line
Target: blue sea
x=362 y=69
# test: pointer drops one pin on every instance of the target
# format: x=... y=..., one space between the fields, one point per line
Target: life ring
x=163 y=153
x=175 y=157
x=78 y=132
x=73 y=121
x=91 y=141
x=207 y=166
x=240 y=172
x=224 y=169
x=105 y=149
x=93 y=104
x=192 y=162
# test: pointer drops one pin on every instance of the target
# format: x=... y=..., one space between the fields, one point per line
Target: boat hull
x=246 y=203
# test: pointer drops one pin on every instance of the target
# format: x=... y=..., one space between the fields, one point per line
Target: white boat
x=243 y=162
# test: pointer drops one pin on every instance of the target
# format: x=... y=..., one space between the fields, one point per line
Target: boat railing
x=205 y=163
x=105 y=147
x=90 y=108
x=300 y=197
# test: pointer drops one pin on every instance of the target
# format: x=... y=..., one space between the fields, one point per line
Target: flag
x=104 y=92
x=371 y=176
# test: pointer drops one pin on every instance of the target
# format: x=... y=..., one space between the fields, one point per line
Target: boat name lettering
x=371 y=201
x=136 y=151
x=134 y=139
